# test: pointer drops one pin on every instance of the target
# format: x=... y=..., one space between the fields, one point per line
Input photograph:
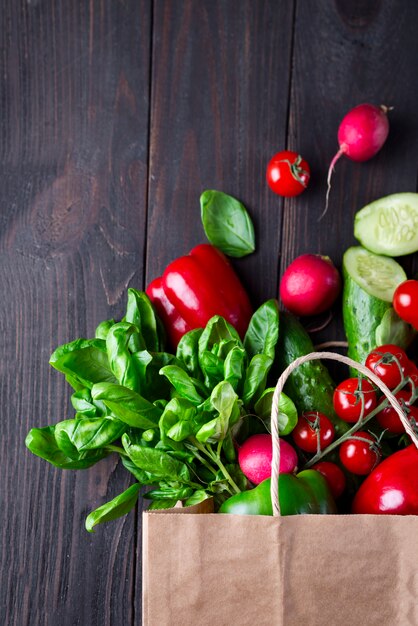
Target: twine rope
x=313 y=356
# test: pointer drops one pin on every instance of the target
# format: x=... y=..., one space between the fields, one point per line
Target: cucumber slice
x=377 y=275
x=389 y=225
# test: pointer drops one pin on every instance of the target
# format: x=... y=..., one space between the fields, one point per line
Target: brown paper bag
x=206 y=569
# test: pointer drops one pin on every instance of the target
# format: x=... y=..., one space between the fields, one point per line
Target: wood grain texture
x=74 y=131
x=220 y=84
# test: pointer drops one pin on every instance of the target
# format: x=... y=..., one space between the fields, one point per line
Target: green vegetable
x=120 y=505
x=369 y=320
x=389 y=225
x=227 y=224
x=42 y=442
x=310 y=386
x=288 y=414
x=307 y=492
x=84 y=361
x=173 y=419
x=377 y=275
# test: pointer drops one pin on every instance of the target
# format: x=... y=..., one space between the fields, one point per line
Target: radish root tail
x=330 y=171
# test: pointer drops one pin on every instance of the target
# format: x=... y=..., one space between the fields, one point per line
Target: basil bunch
x=173 y=419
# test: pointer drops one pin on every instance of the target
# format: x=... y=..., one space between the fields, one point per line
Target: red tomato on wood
x=288 y=174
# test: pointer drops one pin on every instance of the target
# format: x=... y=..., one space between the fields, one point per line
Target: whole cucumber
x=310 y=386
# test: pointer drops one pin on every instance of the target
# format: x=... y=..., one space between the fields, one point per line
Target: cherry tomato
x=359 y=456
x=348 y=401
x=405 y=302
x=334 y=476
x=288 y=174
x=388 y=417
x=390 y=363
x=309 y=425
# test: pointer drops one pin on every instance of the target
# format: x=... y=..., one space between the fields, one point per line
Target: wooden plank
x=74 y=142
x=219 y=109
x=346 y=53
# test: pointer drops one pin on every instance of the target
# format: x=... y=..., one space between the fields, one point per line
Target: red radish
x=256 y=453
x=310 y=285
x=361 y=134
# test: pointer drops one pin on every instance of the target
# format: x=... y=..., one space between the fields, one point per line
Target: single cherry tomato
x=288 y=174
x=388 y=417
x=390 y=363
x=360 y=453
x=405 y=302
x=333 y=475
x=350 y=396
x=309 y=426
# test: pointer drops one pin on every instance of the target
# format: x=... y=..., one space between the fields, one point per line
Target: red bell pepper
x=392 y=487
x=196 y=287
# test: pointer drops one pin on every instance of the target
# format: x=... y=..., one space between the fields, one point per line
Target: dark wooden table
x=114 y=116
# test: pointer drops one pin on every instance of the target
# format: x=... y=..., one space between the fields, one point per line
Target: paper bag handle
x=313 y=356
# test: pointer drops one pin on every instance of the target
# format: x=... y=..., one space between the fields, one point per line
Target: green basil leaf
x=103 y=328
x=212 y=431
x=145 y=478
x=197 y=497
x=83 y=361
x=224 y=399
x=288 y=414
x=117 y=507
x=141 y=313
x=83 y=403
x=42 y=443
x=158 y=505
x=123 y=366
x=188 y=352
x=127 y=405
x=224 y=347
x=234 y=367
x=179 y=493
x=157 y=462
x=216 y=330
x=177 y=412
x=85 y=406
x=180 y=431
x=393 y=330
x=182 y=383
x=256 y=376
x=227 y=223
x=153 y=386
x=263 y=330
x=212 y=368
x=89 y=433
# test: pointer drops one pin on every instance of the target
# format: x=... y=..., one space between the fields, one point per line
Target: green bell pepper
x=307 y=492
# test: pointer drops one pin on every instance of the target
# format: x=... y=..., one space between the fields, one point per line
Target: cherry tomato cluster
x=354 y=399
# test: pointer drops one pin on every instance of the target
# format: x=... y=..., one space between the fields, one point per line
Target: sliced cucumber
x=389 y=225
x=377 y=275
